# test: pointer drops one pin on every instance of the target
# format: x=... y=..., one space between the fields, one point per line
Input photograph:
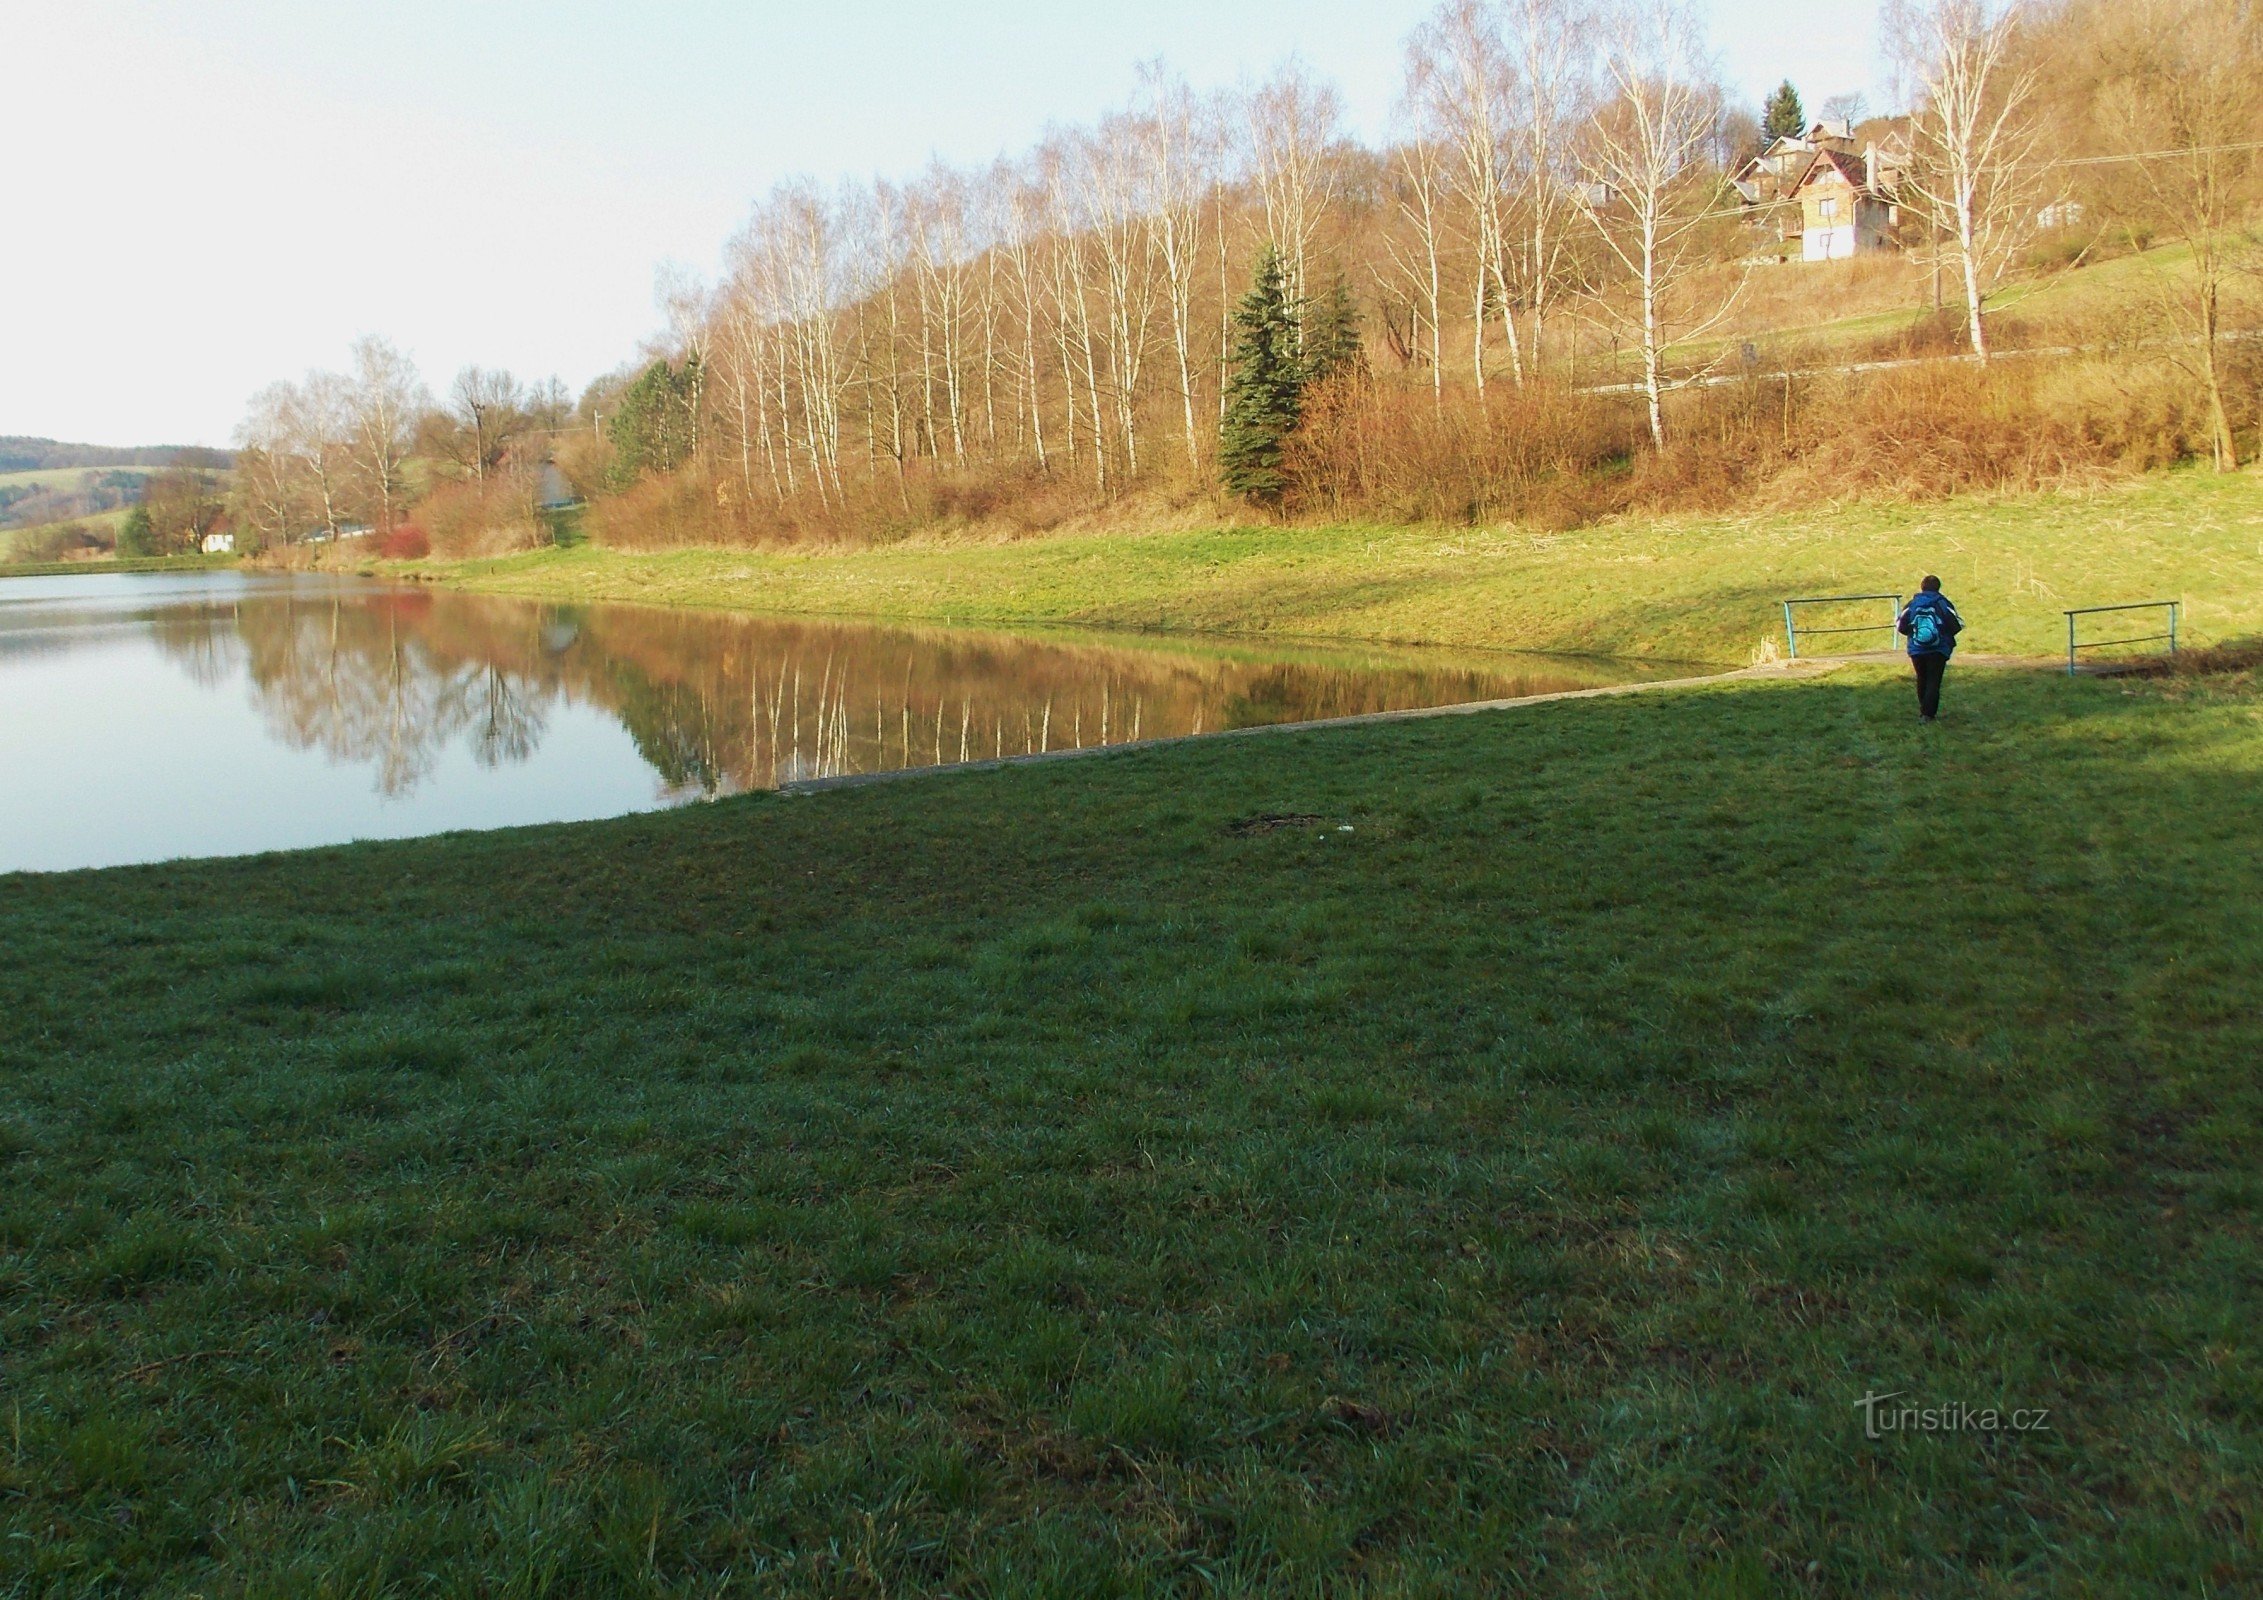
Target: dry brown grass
x=1547 y=457
x=993 y=503
x=1801 y=294
x=1391 y=450
x=2235 y=658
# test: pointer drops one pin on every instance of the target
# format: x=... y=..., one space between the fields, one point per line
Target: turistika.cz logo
x=1880 y=1418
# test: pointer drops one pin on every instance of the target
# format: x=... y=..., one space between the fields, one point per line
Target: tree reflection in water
x=719 y=702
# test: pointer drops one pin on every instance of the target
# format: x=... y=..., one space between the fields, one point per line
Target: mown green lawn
x=1033 y=1183
x=1683 y=588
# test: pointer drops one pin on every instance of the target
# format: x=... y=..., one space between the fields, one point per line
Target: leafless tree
x=322 y=424
x=489 y=405
x=269 y=479
x=1652 y=193
x=1551 y=50
x=1459 y=79
x=1295 y=122
x=1421 y=189
x=385 y=398
x=1974 y=168
x=2179 y=99
x=1179 y=143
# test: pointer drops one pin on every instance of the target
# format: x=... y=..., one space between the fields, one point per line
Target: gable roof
x=1845 y=164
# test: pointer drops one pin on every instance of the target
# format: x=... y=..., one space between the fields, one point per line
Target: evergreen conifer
x=1265 y=396
x=1782 y=117
x=652 y=426
x=1332 y=341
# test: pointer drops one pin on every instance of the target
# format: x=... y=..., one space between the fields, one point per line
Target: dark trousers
x=1929 y=670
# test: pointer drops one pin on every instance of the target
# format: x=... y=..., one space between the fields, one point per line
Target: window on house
x=1826 y=211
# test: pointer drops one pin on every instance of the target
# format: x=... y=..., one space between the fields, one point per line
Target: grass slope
x=1685 y=588
x=1026 y=1183
x=15 y=539
x=114 y=564
x=66 y=477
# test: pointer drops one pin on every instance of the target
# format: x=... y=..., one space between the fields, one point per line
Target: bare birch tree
x=1652 y=192
x=322 y=425
x=1115 y=215
x=386 y=397
x=1018 y=224
x=2180 y=97
x=1295 y=122
x=1421 y=190
x=1973 y=169
x=1458 y=76
x=269 y=478
x=1178 y=149
x=1550 y=46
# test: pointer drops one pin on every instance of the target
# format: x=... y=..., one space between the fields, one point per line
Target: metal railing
x=2175 y=609
x=1791 y=623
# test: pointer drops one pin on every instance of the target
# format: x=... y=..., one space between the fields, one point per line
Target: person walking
x=1931 y=625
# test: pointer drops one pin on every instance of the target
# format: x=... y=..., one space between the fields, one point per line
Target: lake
x=144 y=718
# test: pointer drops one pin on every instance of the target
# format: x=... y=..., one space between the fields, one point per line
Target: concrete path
x=1772 y=671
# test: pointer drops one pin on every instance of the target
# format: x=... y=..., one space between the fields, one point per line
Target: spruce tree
x=1782 y=117
x=1265 y=396
x=652 y=422
x=136 y=535
x=1332 y=342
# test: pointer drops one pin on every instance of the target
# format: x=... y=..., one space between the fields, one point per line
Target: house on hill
x=1843 y=211
x=1832 y=191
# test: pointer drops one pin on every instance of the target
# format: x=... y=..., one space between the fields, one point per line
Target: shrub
x=60 y=541
x=407 y=542
x=477 y=519
x=1396 y=450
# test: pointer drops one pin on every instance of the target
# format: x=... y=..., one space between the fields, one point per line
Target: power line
x=2158 y=155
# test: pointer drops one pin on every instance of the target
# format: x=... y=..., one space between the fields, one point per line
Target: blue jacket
x=1951 y=624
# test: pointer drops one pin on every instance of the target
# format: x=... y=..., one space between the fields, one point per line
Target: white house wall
x=1828 y=244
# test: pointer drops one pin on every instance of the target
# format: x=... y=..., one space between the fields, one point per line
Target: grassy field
x=1811 y=313
x=65 y=477
x=1685 y=588
x=114 y=564
x=1507 y=1177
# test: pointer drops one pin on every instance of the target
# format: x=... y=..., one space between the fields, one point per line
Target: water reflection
x=425 y=694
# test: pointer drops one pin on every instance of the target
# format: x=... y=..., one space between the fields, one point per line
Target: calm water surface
x=146 y=718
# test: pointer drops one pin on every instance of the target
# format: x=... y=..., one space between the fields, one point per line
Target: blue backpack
x=1931 y=626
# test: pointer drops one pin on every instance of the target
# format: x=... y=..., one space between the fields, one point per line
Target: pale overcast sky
x=203 y=195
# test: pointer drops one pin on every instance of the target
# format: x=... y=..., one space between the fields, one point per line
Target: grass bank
x=1681 y=588
x=114 y=564
x=1046 y=1181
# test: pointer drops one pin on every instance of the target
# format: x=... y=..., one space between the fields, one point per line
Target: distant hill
x=20 y=453
x=46 y=481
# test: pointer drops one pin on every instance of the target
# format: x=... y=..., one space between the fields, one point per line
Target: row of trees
x=1553 y=212
x=1556 y=198
x=1069 y=312
x=334 y=450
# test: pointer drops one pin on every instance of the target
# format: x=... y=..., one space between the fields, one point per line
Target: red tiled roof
x=1849 y=167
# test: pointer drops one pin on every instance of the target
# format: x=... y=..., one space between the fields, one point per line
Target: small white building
x=219 y=544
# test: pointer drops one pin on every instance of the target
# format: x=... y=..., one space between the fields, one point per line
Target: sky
x=202 y=196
